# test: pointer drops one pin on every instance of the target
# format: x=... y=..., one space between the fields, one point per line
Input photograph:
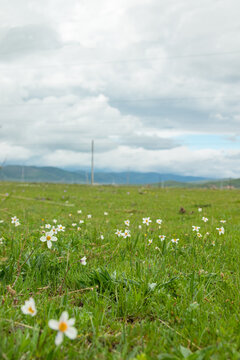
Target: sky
x=155 y=84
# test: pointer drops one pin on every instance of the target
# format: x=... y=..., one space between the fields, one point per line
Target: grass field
x=134 y=299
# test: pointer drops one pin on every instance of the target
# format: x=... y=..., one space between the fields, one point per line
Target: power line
x=121 y=61
x=162 y=99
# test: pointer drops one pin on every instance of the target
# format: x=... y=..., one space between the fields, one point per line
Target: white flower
x=199 y=235
x=139 y=226
x=78 y=228
x=213 y=243
x=48 y=237
x=54 y=230
x=79 y=211
x=1 y=240
x=162 y=237
x=220 y=230
x=200 y=209
x=29 y=307
x=17 y=223
x=150 y=241
x=147 y=221
x=105 y=213
x=83 y=260
x=61 y=228
x=195 y=228
x=81 y=221
x=89 y=216
x=159 y=221
x=74 y=224
x=222 y=221
x=64 y=327
x=101 y=237
x=152 y=286
x=127 y=222
x=175 y=241
x=118 y=233
x=48 y=226
x=1 y=221
x=14 y=219
x=126 y=234
x=204 y=219
x=54 y=221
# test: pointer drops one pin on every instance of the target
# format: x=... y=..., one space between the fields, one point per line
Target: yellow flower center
x=49 y=237
x=63 y=326
x=30 y=309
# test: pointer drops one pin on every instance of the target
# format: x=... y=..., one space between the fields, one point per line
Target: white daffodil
x=152 y=286
x=48 y=237
x=199 y=235
x=204 y=219
x=101 y=237
x=199 y=209
x=175 y=241
x=79 y=211
x=195 y=228
x=126 y=234
x=127 y=222
x=29 y=307
x=74 y=224
x=17 y=223
x=105 y=213
x=89 y=216
x=162 y=237
x=159 y=221
x=48 y=226
x=222 y=221
x=81 y=221
x=54 y=230
x=147 y=221
x=61 y=228
x=83 y=260
x=14 y=219
x=150 y=241
x=139 y=226
x=64 y=327
x=220 y=230
x=54 y=221
x=1 y=221
x=118 y=233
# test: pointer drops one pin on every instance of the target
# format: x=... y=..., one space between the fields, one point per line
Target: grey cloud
x=148 y=142
x=27 y=39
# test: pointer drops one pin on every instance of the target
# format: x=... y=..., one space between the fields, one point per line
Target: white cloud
x=75 y=72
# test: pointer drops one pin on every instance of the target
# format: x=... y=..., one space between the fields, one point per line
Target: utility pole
x=92 y=164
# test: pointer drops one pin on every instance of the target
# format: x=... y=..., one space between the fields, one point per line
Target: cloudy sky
x=155 y=83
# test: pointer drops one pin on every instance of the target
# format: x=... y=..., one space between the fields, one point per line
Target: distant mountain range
x=56 y=175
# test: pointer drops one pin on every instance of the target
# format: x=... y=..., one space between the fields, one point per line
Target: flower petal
x=43 y=238
x=53 y=238
x=49 y=244
x=71 y=322
x=53 y=324
x=64 y=317
x=71 y=332
x=24 y=309
x=59 y=338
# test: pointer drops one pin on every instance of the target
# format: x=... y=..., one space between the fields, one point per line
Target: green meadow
x=134 y=298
